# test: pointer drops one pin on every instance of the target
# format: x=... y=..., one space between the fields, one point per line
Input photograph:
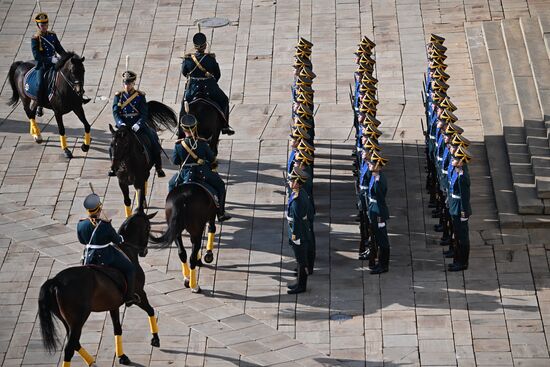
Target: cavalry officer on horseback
x=196 y=159
x=45 y=50
x=101 y=239
x=203 y=71
x=130 y=109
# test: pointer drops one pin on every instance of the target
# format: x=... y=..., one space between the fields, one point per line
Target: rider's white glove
x=55 y=59
x=135 y=127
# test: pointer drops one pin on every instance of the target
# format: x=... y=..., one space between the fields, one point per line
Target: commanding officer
x=203 y=72
x=459 y=207
x=378 y=211
x=101 y=240
x=45 y=45
x=300 y=237
x=195 y=157
x=130 y=109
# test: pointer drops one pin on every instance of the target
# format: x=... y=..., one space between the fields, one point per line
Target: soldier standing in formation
x=371 y=185
x=448 y=181
x=300 y=168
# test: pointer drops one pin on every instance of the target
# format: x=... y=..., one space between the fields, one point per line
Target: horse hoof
x=208 y=257
x=38 y=139
x=85 y=147
x=186 y=283
x=123 y=359
x=67 y=153
x=155 y=342
x=196 y=290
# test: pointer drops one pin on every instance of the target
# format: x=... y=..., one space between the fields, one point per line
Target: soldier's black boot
x=111 y=172
x=160 y=172
x=85 y=100
x=302 y=282
x=222 y=215
x=227 y=130
x=39 y=111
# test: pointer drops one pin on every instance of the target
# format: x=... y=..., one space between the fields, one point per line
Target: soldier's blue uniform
x=134 y=115
x=300 y=236
x=460 y=210
x=100 y=239
x=378 y=215
x=44 y=48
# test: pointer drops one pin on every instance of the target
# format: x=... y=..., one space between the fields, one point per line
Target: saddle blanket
x=30 y=83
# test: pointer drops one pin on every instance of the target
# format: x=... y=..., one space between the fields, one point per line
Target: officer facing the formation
x=300 y=236
x=130 y=110
x=45 y=46
x=203 y=73
x=196 y=161
x=101 y=242
x=459 y=208
x=378 y=211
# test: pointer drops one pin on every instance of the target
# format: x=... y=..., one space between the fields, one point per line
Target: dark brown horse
x=77 y=291
x=131 y=162
x=67 y=96
x=189 y=207
x=209 y=118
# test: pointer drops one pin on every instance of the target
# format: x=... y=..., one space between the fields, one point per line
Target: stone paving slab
x=416 y=314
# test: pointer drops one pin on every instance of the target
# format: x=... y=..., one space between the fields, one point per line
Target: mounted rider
x=203 y=72
x=130 y=109
x=101 y=241
x=46 y=49
x=195 y=158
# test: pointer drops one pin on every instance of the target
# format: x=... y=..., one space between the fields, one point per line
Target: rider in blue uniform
x=195 y=158
x=130 y=110
x=203 y=73
x=45 y=50
x=101 y=242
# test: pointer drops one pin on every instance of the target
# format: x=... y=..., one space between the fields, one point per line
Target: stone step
x=539 y=61
x=522 y=76
x=528 y=200
x=544 y=22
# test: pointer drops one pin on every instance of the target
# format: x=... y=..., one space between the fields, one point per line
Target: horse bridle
x=77 y=84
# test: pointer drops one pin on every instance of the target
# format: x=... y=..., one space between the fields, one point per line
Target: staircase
x=511 y=64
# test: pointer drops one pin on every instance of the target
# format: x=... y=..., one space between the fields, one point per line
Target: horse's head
x=72 y=69
x=121 y=144
x=135 y=231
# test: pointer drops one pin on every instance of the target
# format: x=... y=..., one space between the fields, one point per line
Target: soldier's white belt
x=444 y=171
x=372 y=200
x=132 y=114
x=439 y=159
x=95 y=247
x=363 y=187
x=455 y=196
x=197 y=78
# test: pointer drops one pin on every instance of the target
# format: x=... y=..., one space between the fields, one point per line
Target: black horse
x=77 y=291
x=189 y=207
x=131 y=162
x=67 y=96
x=210 y=120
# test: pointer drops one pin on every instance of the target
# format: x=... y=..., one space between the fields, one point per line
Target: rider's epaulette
x=187 y=56
x=211 y=54
x=36 y=35
x=140 y=92
x=51 y=32
x=118 y=93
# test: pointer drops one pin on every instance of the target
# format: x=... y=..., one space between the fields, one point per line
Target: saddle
x=30 y=83
x=209 y=189
x=114 y=274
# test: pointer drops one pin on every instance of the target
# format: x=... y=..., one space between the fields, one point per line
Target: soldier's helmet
x=92 y=203
x=199 y=40
x=128 y=77
x=41 y=18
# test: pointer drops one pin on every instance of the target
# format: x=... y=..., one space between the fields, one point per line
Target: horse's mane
x=64 y=58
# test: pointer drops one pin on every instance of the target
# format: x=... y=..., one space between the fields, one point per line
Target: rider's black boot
x=160 y=172
x=130 y=297
x=39 y=111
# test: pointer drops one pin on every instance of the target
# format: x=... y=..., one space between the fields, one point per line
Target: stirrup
x=223 y=217
x=228 y=130
x=39 y=111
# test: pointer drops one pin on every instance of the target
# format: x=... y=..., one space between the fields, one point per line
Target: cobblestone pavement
x=496 y=313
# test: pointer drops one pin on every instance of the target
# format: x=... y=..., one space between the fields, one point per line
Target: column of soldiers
x=371 y=185
x=299 y=171
x=448 y=180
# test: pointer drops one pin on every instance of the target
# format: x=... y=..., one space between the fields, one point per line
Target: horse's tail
x=176 y=224
x=46 y=303
x=161 y=116
x=11 y=75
